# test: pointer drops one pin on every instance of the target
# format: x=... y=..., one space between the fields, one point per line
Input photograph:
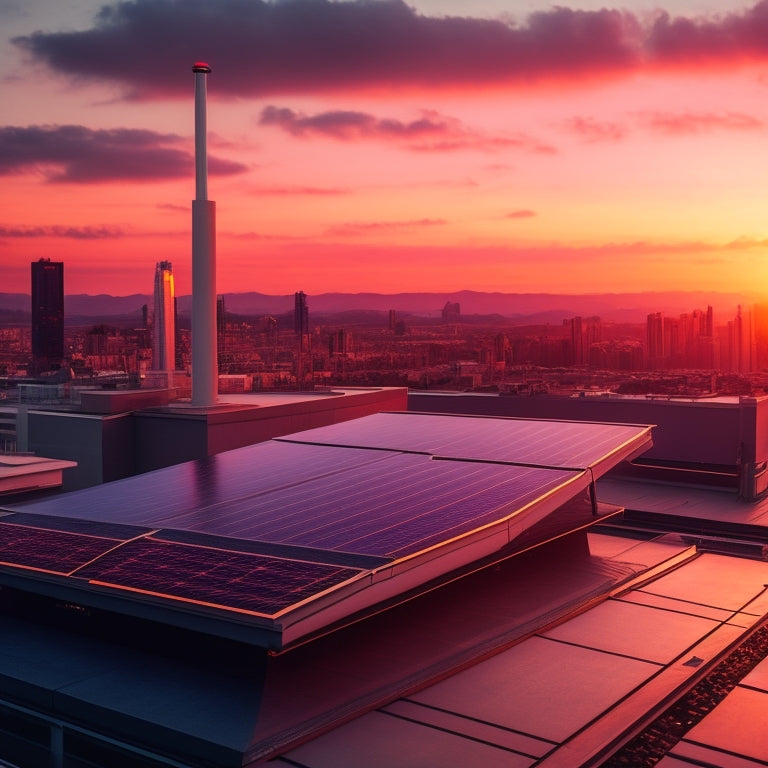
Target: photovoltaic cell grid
x=390 y=510
x=54 y=551
x=517 y=441
x=204 y=488
x=256 y=583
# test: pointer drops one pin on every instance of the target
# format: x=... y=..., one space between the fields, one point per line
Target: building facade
x=47 y=313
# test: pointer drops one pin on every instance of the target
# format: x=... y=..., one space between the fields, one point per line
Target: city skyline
x=573 y=149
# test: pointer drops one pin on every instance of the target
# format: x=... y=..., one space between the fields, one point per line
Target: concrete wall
x=70 y=436
x=169 y=436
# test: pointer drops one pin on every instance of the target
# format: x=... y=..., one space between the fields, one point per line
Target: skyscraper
x=655 y=340
x=47 y=313
x=300 y=314
x=163 y=331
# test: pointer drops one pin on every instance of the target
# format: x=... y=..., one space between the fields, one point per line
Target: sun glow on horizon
x=598 y=168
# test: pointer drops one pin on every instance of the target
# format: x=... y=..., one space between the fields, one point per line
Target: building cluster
x=294 y=351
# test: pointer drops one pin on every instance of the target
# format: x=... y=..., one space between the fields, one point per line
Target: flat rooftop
x=547 y=653
x=22 y=474
x=273 y=542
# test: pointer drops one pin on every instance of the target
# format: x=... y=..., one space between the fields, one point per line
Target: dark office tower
x=392 y=320
x=300 y=314
x=47 y=313
x=338 y=343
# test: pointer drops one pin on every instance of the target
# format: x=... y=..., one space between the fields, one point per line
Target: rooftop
x=552 y=644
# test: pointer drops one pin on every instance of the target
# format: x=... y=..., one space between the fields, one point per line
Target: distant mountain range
x=611 y=307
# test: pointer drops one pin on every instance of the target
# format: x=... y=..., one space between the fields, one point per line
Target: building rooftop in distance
x=23 y=474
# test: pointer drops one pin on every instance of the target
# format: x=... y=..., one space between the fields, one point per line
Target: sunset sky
x=378 y=145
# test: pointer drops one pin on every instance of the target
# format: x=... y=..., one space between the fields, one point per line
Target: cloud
x=259 y=47
x=173 y=207
x=431 y=132
x=687 y=123
x=72 y=233
x=75 y=154
x=522 y=213
x=300 y=191
x=593 y=131
x=358 y=228
x=349 y=125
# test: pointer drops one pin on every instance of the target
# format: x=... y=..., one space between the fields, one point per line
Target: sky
x=389 y=146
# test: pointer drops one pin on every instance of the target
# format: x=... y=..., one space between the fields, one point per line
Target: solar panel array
x=213 y=577
x=261 y=530
x=565 y=444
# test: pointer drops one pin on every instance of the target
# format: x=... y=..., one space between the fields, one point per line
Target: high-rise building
x=655 y=340
x=300 y=314
x=576 y=327
x=47 y=313
x=163 y=330
x=338 y=343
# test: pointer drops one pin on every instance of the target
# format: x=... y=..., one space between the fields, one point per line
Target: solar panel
x=203 y=488
x=383 y=510
x=47 y=550
x=517 y=441
x=213 y=577
x=288 y=536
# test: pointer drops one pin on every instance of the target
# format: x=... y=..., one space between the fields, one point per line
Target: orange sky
x=379 y=146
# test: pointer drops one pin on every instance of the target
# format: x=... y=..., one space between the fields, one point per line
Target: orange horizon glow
x=621 y=168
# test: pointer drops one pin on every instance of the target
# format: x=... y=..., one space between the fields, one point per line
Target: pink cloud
x=686 y=123
x=429 y=133
x=300 y=191
x=80 y=155
x=357 y=228
x=593 y=131
x=55 y=230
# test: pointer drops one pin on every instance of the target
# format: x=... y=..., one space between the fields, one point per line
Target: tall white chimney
x=204 y=356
